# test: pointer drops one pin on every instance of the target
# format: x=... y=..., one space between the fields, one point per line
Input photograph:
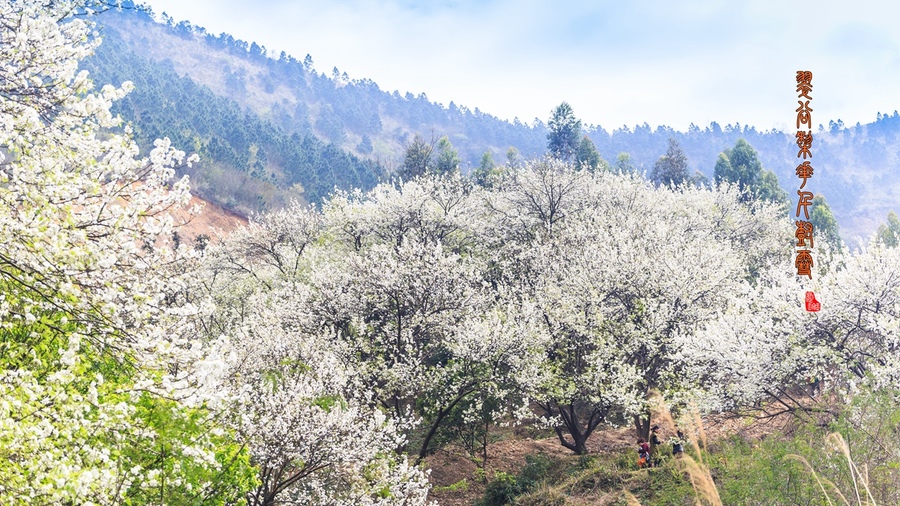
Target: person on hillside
x=643 y=453
x=678 y=444
x=654 y=446
x=815 y=385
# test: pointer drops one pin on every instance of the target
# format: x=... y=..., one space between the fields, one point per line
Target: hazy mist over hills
x=272 y=128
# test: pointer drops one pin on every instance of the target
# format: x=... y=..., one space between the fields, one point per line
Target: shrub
x=501 y=490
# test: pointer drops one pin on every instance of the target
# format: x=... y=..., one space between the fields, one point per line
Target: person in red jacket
x=643 y=453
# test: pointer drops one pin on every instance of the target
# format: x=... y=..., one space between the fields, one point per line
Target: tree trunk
x=642 y=426
x=484 y=445
x=569 y=416
x=578 y=445
x=423 y=450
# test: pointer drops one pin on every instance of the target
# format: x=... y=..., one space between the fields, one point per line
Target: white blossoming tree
x=101 y=398
x=300 y=403
x=755 y=350
x=769 y=349
x=624 y=274
x=437 y=336
x=860 y=317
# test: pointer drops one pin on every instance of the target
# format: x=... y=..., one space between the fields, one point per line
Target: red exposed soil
x=213 y=221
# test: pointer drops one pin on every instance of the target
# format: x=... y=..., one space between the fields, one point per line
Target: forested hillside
x=247 y=163
x=265 y=123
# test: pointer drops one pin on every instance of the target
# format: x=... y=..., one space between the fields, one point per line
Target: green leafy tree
x=512 y=157
x=565 y=132
x=768 y=189
x=699 y=180
x=487 y=170
x=670 y=168
x=723 y=170
x=740 y=165
x=487 y=162
x=447 y=158
x=624 y=164
x=588 y=156
x=743 y=168
x=423 y=157
x=889 y=233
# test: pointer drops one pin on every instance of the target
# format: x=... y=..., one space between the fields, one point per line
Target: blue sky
x=617 y=63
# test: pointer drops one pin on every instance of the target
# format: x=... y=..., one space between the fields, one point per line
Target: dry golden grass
x=705 y=487
x=697 y=471
x=859 y=478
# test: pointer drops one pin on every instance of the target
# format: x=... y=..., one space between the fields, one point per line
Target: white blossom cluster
x=95 y=364
x=767 y=346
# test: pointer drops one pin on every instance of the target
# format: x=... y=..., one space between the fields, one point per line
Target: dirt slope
x=212 y=220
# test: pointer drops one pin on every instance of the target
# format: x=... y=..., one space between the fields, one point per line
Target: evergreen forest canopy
x=247 y=163
x=319 y=354
x=271 y=129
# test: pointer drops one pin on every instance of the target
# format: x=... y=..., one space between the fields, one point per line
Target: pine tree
x=417 y=160
x=671 y=168
x=447 y=158
x=565 y=132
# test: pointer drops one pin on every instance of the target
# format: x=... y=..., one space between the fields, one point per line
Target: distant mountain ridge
x=310 y=132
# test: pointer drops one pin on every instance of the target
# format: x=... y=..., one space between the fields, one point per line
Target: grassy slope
x=748 y=461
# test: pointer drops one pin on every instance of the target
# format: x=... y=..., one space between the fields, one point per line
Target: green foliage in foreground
x=66 y=392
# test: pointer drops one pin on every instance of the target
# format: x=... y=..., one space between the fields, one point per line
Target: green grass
x=462 y=484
